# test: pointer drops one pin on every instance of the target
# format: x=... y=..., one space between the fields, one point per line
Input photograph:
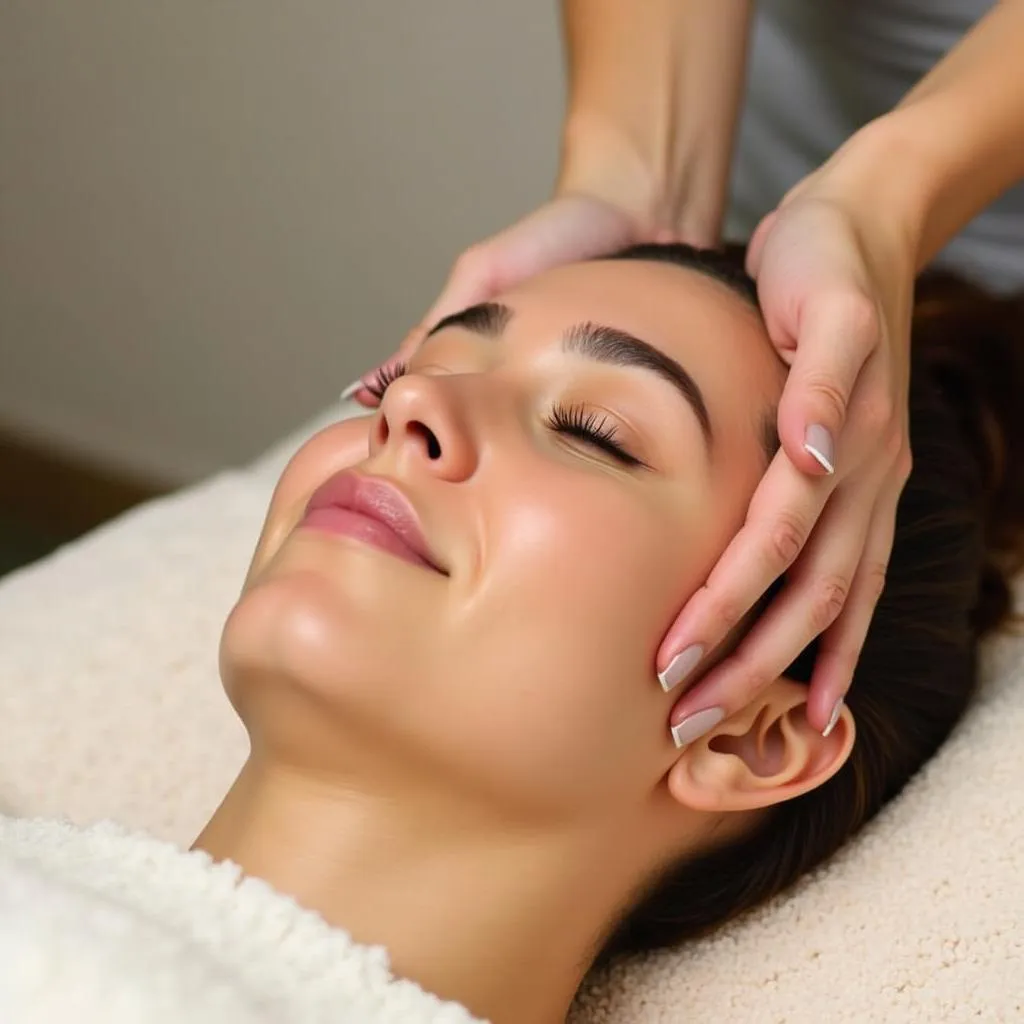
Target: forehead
x=716 y=335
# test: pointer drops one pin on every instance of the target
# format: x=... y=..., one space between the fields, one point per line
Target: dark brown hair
x=959 y=538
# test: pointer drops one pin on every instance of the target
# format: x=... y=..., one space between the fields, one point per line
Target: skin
x=646 y=146
x=487 y=748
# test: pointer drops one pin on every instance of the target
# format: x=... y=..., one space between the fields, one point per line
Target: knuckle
x=892 y=443
x=877 y=414
x=786 y=539
x=905 y=464
x=727 y=610
x=875 y=577
x=475 y=267
x=829 y=600
x=828 y=392
x=410 y=343
x=860 y=316
x=470 y=259
x=464 y=267
x=751 y=679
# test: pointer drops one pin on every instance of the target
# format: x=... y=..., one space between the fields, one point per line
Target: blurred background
x=214 y=214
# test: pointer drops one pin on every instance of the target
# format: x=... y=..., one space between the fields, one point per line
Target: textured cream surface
x=102 y=926
x=110 y=707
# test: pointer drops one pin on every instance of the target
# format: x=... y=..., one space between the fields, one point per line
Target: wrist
x=881 y=178
x=903 y=178
x=599 y=160
x=678 y=188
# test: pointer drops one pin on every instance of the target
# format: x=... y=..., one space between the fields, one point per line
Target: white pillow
x=110 y=706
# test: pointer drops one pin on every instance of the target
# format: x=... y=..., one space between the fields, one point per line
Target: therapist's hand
x=567 y=229
x=836 y=293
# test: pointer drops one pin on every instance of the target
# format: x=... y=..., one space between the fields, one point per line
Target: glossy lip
x=381 y=501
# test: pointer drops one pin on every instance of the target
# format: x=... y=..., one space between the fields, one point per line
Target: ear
x=762 y=755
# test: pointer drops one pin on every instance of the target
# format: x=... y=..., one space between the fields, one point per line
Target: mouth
x=371 y=510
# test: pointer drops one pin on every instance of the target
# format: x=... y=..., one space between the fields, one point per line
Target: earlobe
x=763 y=755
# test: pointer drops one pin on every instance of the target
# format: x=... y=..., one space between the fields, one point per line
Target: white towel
x=100 y=926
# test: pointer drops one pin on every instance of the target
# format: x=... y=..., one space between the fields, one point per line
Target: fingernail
x=818 y=441
x=354 y=388
x=680 y=667
x=833 y=718
x=693 y=727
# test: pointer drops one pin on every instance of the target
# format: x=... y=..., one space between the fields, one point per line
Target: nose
x=423 y=426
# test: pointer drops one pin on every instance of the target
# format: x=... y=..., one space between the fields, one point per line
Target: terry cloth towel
x=102 y=926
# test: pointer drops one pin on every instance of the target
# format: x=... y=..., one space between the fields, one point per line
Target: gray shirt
x=821 y=69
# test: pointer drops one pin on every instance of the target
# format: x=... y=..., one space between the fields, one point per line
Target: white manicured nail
x=680 y=667
x=818 y=442
x=352 y=389
x=692 y=728
x=833 y=718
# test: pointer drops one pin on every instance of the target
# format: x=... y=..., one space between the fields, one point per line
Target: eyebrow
x=488 y=319
x=598 y=342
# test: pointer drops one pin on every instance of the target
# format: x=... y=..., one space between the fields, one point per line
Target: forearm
x=951 y=146
x=654 y=92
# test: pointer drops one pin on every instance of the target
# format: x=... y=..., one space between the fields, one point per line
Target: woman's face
x=572 y=492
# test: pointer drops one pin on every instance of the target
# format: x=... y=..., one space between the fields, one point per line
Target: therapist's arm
x=654 y=93
x=951 y=146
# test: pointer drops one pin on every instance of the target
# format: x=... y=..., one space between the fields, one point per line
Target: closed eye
x=574 y=420
x=593 y=428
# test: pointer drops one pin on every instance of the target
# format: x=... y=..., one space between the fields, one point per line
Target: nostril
x=433 y=445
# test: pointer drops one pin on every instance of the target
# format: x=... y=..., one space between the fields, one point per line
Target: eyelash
x=571 y=420
x=591 y=427
x=385 y=377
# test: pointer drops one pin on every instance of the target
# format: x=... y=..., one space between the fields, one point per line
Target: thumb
x=755 y=247
x=837 y=335
x=563 y=230
x=473 y=279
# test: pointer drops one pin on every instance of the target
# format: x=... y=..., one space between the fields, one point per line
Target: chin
x=314 y=633
x=300 y=671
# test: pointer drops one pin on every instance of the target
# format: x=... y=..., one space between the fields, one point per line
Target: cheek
x=581 y=579
x=594 y=556
x=332 y=449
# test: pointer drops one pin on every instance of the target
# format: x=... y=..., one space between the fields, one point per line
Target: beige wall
x=215 y=213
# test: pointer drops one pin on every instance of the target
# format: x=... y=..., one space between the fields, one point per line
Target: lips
x=371 y=510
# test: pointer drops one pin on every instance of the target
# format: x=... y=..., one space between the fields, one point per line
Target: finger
x=814 y=597
x=471 y=280
x=366 y=391
x=755 y=248
x=565 y=230
x=475 y=277
x=568 y=229
x=839 y=333
x=782 y=513
x=352 y=391
x=359 y=392
x=841 y=645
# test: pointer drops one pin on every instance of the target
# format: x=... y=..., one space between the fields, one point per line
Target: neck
x=504 y=923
